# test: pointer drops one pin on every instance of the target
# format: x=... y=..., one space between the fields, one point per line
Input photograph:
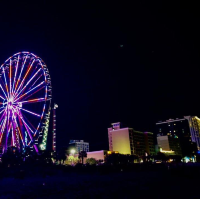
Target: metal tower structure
x=54 y=128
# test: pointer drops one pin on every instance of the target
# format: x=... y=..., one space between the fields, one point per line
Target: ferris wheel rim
x=14 y=99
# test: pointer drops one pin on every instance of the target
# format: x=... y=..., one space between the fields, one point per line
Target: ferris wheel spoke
x=28 y=96
x=4 y=123
x=20 y=74
x=29 y=123
x=3 y=92
x=34 y=100
x=1 y=137
x=17 y=126
x=36 y=80
x=1 y=125
x=27 y=72
x=10 y=89
x=28 y=82
x=25 y=123
x=13 y=127
x=15 y=74
x=22 y=124
x=2 y=110
x=13 y=143
x=2 y=97
x=9 y=126
x=3 y=113
x=28 y=91
x=20 y=134
x=30 y=112
x=5 y=82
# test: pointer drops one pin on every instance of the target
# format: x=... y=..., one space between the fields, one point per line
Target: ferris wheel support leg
x=7 y=132
x=14 y=134
x=36 y=149
x=6 y=139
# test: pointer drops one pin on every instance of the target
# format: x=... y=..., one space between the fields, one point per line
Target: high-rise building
x=79 y=145
x=128 y=141
x=179 y=135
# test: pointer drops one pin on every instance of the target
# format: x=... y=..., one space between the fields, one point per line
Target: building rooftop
x=76 y=141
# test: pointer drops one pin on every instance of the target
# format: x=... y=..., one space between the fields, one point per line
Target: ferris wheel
x=25 y=102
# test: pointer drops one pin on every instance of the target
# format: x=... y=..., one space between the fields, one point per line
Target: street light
x=72 y=152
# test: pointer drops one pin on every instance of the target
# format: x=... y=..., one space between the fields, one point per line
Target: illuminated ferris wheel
x=25 y=101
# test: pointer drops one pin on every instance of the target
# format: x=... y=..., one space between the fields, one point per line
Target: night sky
x=135 y=62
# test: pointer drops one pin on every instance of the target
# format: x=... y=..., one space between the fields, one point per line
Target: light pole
x=73 y=152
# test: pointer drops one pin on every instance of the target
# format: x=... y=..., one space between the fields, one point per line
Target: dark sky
x=154 y=76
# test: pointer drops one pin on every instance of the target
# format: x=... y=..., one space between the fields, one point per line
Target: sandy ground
x=145 y=184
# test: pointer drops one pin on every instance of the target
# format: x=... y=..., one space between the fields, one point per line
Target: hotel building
x=179 y=135
x=129 y=141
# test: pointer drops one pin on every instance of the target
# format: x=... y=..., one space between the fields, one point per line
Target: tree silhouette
x=82 y=155
x=91 y=161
